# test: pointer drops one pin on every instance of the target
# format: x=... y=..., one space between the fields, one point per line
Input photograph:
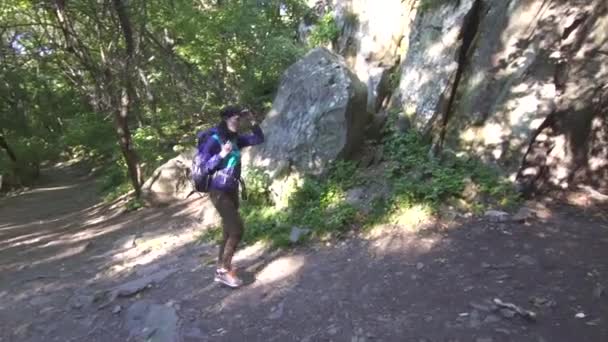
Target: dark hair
x=230 y=111
x=224 y=133
x=226 y=113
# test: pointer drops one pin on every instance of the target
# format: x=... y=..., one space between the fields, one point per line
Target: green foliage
x=192 y=58
x=325 y=32
x=30 y=153
x=417 y=177
x=89 y=137
x=258 y=184
x=393 y=79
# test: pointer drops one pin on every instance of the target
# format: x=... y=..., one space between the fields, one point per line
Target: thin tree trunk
x=8 y=149
x=126 y=143
x=127 y=99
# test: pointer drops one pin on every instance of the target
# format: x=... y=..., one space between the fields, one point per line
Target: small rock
x=580 y=315
x=80 y=301
x=39 y=301
x=419 y=266
x=522 y=215
x=542 y=302
x=117 y=309
x=195 y=334
x=474 y=321
x=491 y=319
x=527 y=260
x=484 y=339
x=126 y=242
x=332 y=330
x=277 y=312
x=598 y=290
x=480 y=307
x=497 y=216
x=503 y=331
x=507 y=313
x=135 y=286
x=22 y=329
x=297 y=233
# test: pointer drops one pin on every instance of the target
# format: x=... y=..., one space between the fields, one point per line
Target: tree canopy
x=125 y=82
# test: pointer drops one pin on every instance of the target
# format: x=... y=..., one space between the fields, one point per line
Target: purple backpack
x=200 y=178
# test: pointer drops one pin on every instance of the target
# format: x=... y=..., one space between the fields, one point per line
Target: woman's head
x=231 y=116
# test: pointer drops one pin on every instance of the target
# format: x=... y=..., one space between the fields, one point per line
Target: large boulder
x=319 y=115
x=170 y=182
x=170 y=185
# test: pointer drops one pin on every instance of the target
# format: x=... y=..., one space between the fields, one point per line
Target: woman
x=221 y=153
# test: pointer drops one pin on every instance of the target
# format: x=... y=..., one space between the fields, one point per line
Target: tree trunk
x=127 y=101
x=8 y=149
x=126 y=143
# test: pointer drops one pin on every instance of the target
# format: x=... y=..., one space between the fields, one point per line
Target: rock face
x=371 y=39
x=318 y=116
x=571 y=145
x=429 y=71
x=519 y=83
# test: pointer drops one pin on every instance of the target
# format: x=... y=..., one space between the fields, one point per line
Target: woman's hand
x=226 y=149
x=249 y=116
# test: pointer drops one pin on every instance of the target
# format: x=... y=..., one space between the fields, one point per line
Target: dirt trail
x=75 y=270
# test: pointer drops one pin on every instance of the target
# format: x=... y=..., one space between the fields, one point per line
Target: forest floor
x=73 y=269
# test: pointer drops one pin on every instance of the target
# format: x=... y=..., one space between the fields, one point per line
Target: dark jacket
x=227 y=171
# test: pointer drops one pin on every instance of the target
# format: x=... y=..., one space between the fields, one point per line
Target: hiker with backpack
x=217 y=169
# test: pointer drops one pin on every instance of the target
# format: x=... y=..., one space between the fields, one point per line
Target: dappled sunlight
x=252 y=252
x=148 y=249
x=412 y=218
x=279 y=269
x=63 y=254
x=392 y=240
x=273 y=281
x=56 y=188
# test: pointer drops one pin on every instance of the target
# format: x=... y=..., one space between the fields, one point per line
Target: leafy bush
x=90 y=137
x=30 y=153
x=417 y=177
x=325 y=32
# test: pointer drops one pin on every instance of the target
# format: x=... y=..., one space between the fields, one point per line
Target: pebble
x=491 y=319
x=484 y=339
x=507 y=313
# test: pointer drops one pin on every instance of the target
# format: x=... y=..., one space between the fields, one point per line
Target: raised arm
x=256 y=137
